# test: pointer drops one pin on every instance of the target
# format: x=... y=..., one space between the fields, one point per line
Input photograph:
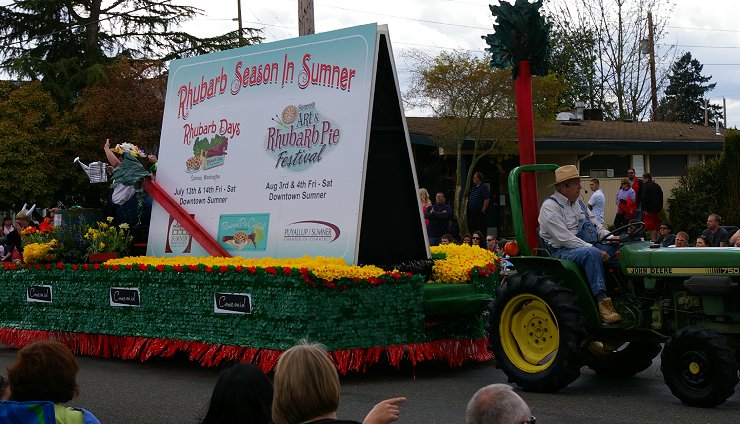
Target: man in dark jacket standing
x=439 y=215
x=651 y=199
x=478 y=201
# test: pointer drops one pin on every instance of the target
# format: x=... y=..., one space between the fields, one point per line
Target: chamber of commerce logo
x=311 y=231
x=301 y=137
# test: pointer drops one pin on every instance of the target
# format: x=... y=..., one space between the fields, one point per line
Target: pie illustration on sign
x=240 y=238
x=290 y=113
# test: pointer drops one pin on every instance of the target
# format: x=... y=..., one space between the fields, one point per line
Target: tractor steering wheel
x=637 y=225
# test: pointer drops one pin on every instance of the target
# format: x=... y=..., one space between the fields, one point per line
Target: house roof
x=602 y=135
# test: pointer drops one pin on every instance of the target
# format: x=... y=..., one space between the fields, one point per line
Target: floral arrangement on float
x=76 y=244
x=362 y=313
x=135 y=151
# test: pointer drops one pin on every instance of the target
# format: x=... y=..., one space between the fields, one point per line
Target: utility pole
x=706 y=113
x=239 y=17
x=305 y=17
x=653 y=88
x=724 y=111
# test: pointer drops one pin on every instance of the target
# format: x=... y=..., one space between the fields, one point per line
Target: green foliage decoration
x=521 y=33
x=286 y=306
x=713 y=187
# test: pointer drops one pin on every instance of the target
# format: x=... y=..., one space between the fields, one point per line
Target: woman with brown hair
x=306 y=390
x=46 y=371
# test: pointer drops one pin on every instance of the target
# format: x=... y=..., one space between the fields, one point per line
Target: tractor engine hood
x=639 y=259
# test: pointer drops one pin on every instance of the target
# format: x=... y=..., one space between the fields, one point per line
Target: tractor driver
x=569 y=228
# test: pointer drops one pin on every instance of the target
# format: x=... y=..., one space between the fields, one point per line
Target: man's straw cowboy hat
x=565 y=173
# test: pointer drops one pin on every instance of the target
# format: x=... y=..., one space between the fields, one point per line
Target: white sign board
x=265 y=146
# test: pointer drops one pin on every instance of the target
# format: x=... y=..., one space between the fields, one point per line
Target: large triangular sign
x=289 y=149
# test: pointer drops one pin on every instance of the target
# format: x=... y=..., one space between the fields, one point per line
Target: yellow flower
x=460 y=259
x=326 y=268
x=102 y=245
x=109 y=219
x=123 y=226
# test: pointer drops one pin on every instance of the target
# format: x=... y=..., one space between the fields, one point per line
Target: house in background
x=600 y=149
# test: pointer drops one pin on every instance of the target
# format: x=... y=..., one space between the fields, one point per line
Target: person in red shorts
x=651 y=199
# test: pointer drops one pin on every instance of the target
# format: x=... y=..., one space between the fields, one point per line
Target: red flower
x=252 y=269
x=129 y=266
x=13 y=266
x=160 y=267
x=287 y=270
x=45 y=226
x=330 y=284
x=223 y=268
x=396 y=275
x=271 y=270
x=208 y=268
x=86 y=267
x=74 y=267
x=177 y=268
x=115 y=267
x=239 y=268
x=48 y=266
x=409 y=274
x=38 y=266
x=5 y=265
x=143 y=267
x=193 y=267
x=96 y=266
x=374 y=280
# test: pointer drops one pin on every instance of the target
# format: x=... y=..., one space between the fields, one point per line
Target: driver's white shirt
x=559 y=222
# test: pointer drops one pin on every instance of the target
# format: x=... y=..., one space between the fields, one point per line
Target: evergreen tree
x=685 y=94
x=573 y=59
x=64 y=43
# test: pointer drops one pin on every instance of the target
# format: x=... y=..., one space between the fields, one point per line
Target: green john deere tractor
x=544 y=323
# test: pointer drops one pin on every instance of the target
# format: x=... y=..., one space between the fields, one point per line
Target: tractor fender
x=570 y=274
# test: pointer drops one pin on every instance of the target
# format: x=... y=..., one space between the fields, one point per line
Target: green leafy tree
x=713 y=187
x=475 y=105
x=127 y=107
x=31 y=136
x=64 y=43
x=685 y=94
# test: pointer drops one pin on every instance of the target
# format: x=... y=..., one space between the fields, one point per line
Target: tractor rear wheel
x=537 y=331
x=699 y=367
x=620 y=359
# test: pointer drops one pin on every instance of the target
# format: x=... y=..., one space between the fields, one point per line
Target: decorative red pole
x=525 y=125
x=183 y=218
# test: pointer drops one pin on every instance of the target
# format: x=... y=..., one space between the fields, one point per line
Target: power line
x=697 y=47
x=703 y=29
x=409 y=19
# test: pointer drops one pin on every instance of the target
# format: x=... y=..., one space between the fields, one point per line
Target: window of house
x=667 y=165
x=603 y=166
x=694 y=160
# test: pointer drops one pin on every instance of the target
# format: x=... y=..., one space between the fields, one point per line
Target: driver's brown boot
x=607 y=312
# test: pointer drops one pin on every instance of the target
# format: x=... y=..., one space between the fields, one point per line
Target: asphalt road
x=177 y=391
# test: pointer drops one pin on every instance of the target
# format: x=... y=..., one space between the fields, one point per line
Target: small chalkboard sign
x=125 y=296
x=232 y=303
x=40 y=294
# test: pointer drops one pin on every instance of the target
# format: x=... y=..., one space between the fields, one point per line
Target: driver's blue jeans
x=589 y=259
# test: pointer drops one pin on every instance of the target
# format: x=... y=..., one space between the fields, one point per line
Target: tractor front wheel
x=537 y=331
x=699 y=367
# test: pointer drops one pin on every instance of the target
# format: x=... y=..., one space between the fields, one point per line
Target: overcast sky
x=708 y=29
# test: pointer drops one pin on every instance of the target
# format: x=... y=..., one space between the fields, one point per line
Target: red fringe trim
x=454 y=351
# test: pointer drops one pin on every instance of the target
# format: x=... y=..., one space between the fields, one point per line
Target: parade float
x=285 y=208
